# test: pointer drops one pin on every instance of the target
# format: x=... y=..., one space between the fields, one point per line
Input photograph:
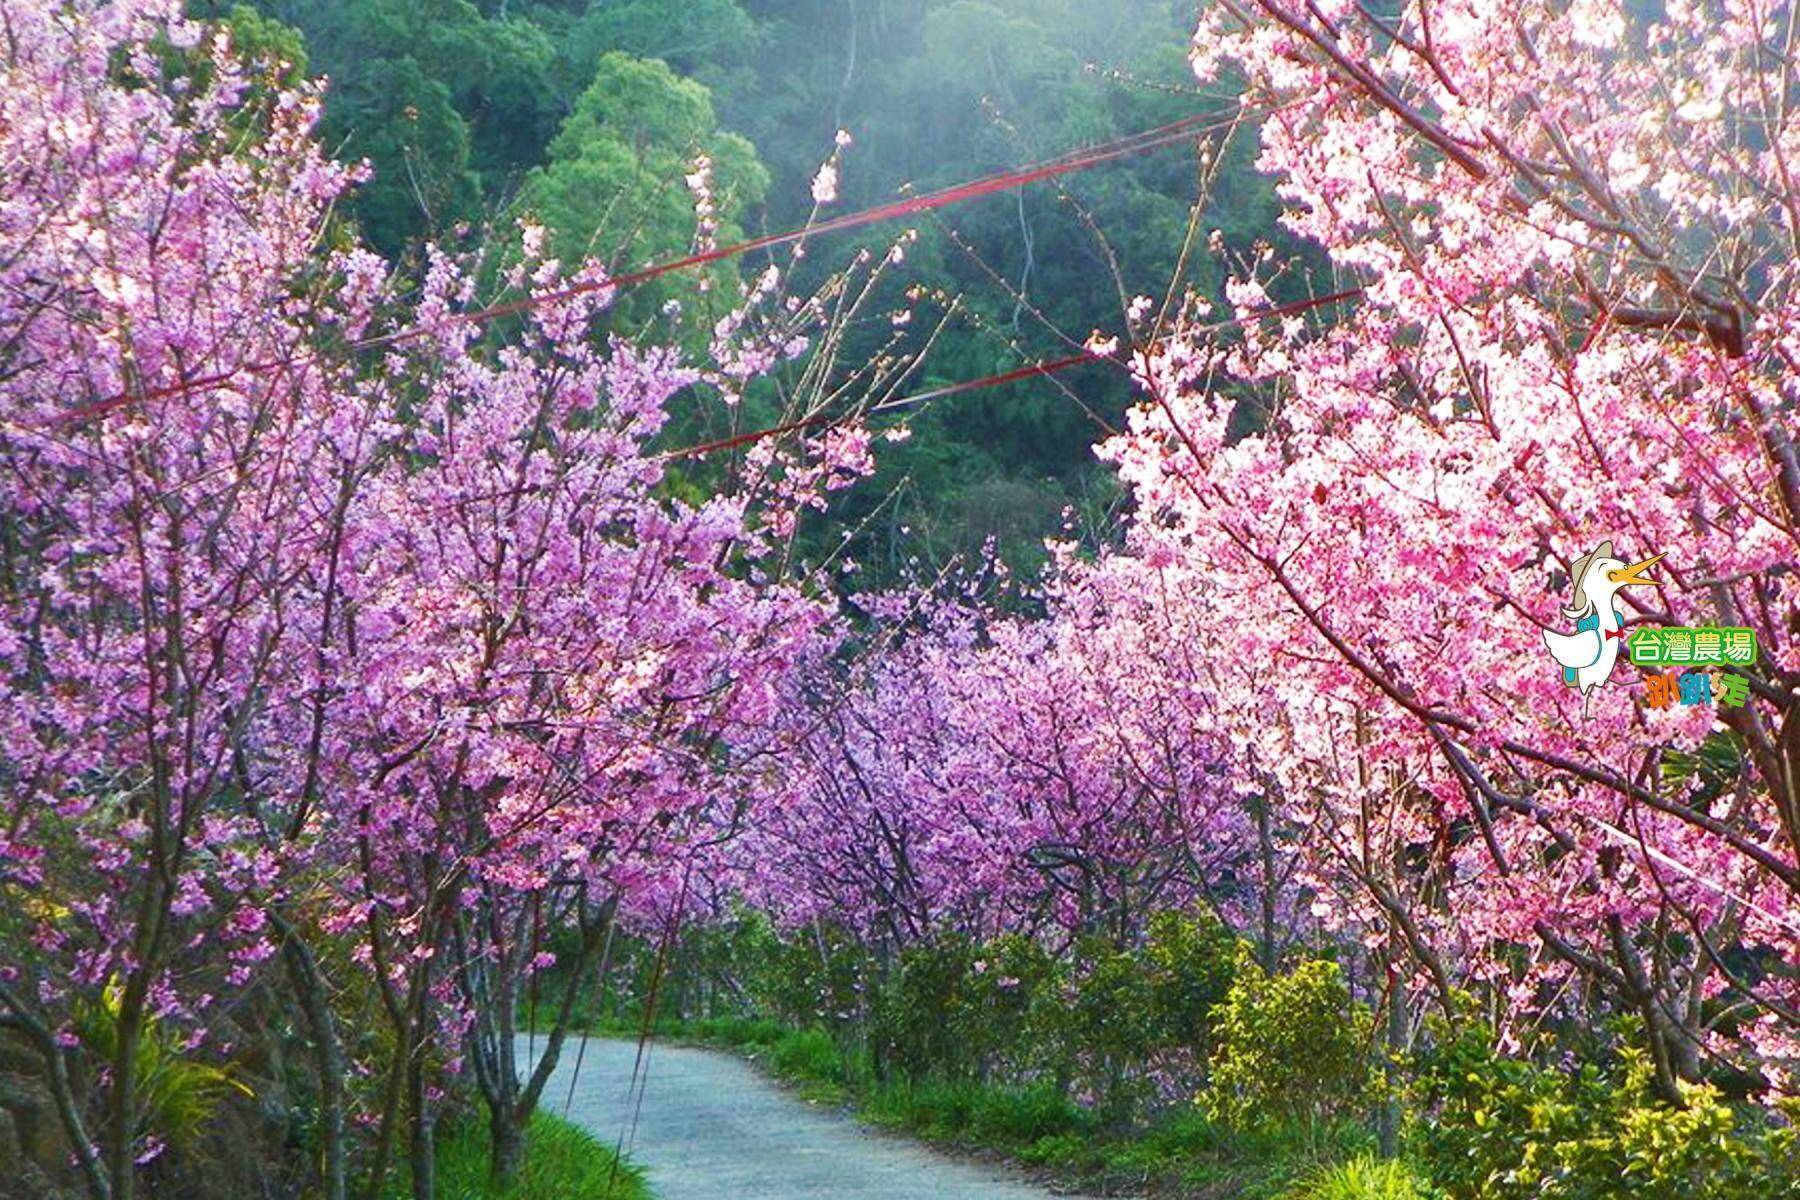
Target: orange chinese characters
x=1660 y=691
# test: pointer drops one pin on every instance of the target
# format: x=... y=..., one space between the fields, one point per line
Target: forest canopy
x=586 y=117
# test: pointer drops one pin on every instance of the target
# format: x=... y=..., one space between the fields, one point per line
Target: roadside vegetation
x=1181 y=1067
x=564 y=1162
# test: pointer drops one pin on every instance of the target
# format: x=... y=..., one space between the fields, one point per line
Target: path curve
x=711 y=1127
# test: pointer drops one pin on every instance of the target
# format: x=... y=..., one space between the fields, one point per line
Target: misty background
x=585 y=116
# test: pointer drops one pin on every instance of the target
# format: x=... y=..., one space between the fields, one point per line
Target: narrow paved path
x=712 y=1128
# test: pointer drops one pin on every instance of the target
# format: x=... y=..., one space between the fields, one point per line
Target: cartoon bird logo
x=1587 y=655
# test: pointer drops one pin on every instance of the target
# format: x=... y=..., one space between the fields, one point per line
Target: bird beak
x=1626 y=575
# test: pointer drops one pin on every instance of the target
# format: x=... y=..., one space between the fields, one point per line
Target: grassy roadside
x=1181 y=1155
x=563 y=1162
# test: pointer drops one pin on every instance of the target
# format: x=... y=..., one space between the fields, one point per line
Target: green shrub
x=175 y=1095
x=1498 y=1128
x=1185 y=1144
x=1003 y=1015
x=1109 y=1029
x=808 y=1054
x=1291 y=1049
x=970 y=1111
x=1131 y=1018
x=1021 y=1115
x=817 y=976
x=1008 y=1011
x=1191 y=960
x=1063 y=1150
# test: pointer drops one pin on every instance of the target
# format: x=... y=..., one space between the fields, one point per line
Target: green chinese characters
x=1680 y=645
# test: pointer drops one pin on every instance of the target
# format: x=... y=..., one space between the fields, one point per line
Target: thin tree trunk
x=423 y=1156
x=327 y=1051
x=507 y=1133
x=384 y=1138
x=56 y=1072
x=1388 y=1123
x=1265 y=841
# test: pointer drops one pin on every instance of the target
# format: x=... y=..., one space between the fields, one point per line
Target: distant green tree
x=708 y=40
x=389 y=112
x=615 y=183
x=446 y=104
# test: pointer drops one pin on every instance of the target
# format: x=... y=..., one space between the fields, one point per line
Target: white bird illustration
x=1587 y=655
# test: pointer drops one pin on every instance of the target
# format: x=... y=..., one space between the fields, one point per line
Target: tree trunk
x=1388 y=1120
x=507 y=1133
x=391 y=1107
x=127 y=1033
x=1265 y=840
x=422 y=1152
x=327 y=1051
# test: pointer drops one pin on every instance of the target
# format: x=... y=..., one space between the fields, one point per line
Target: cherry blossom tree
x=556 y=682
x=169 y=448
x=329 y=614
x=1570 y=228
x=988 y=774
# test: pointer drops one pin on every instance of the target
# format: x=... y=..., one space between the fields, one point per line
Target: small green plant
x=1365 y=1177
x=808 y=1054
x=174 y=1096
x=968 y=1111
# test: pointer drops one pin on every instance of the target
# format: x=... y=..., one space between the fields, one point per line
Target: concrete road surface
x=710 y=1127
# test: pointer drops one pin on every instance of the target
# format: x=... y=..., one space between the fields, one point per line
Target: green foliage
x=402 y=120
x=1191 y=961
x=920 y=1016
x=614 y=184
x=278 y=49
x=1365 y=1177
x=1709 y=770
x=1499 y=1128
x=1009 y=1010
x=175 y=1095
x=1292 y=1048
x=969 y=1111
x=808 y=1054
x=1003 y=1009
x=1188 y=1153
x=476 y=112
x=562 y=1162
x=706 y=40
x=445 y=103
x=817 y=977
x=1008 y=1045
x=1129 y=1003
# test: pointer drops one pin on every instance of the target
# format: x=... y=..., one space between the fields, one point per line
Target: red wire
x=1007 y=181
x=1078 y=160
x=1012 y=376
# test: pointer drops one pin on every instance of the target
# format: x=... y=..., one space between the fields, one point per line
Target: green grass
x=1001 y=1117
x=1364 y=1177
x=562 y=1162
x=1187 y=1153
